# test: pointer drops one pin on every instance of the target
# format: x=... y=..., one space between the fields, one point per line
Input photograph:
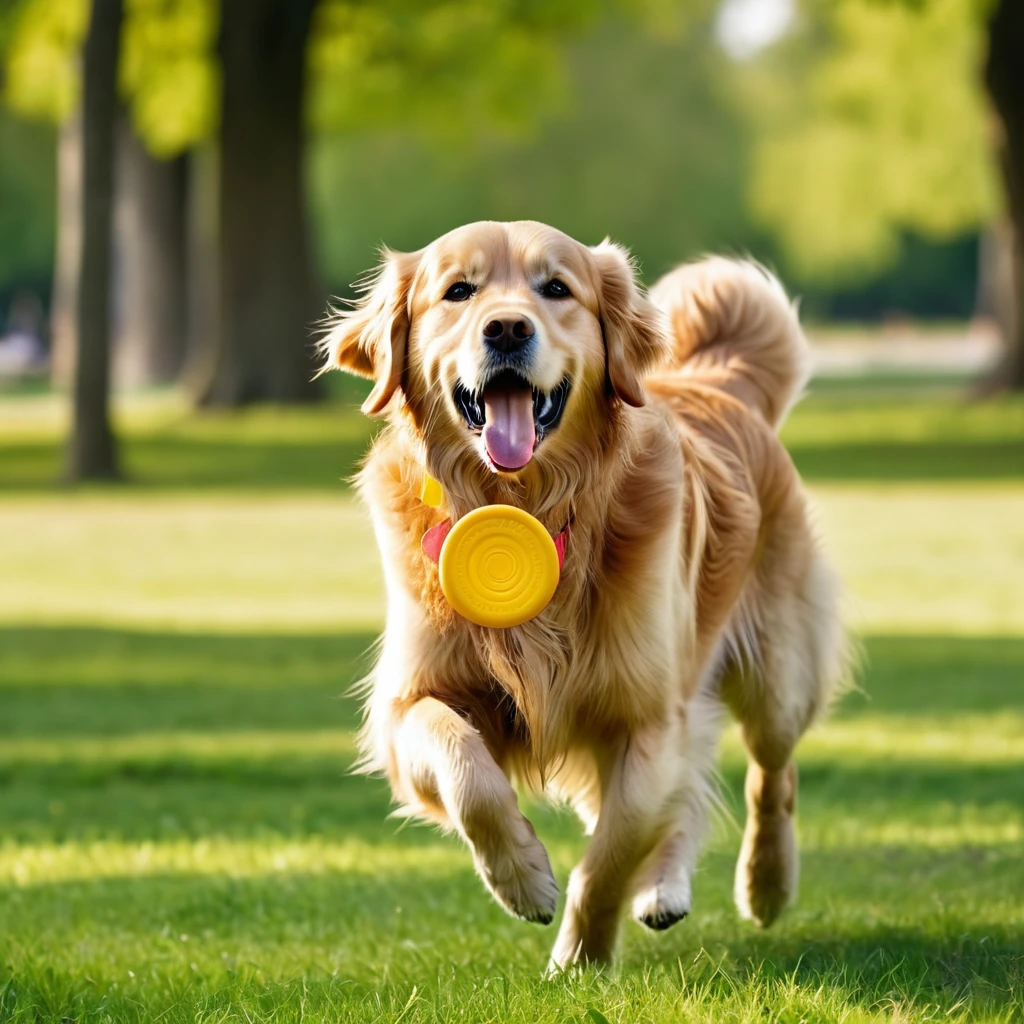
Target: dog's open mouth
x=512 y=416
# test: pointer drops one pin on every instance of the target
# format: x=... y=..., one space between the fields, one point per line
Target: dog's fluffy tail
x=733 y=327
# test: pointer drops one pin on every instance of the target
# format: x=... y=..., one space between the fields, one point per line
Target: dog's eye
x=459 y=292
x=554 y=289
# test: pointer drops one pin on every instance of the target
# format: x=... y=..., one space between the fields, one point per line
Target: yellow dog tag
x=430 y=491
x=499 y=566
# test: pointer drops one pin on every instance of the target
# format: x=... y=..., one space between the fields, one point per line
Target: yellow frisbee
x=498 y=566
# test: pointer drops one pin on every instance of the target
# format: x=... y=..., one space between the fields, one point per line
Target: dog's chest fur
x=600 y=655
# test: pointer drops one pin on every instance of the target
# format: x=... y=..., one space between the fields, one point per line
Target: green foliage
x=10 y=16
x=27 y=173
x=169 y=73
x=450 y=69
x=42 y=58
x=616 y=117
x=643 y=146
x=882 y=128
x=445 y=68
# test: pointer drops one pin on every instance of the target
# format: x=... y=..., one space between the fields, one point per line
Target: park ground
x=180 y=839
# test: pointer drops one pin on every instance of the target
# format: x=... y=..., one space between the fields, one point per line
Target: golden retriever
x=516 y=365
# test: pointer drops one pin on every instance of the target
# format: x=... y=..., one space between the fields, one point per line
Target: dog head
x=503 y=341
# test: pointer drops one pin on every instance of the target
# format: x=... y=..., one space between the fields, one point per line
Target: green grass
x=842 y=432
x=180 y=839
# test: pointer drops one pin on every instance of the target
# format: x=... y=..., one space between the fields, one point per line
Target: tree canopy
x=867 y=123
x=878 y=124
x=167 y=72
x=444 y=68
x=654 y=155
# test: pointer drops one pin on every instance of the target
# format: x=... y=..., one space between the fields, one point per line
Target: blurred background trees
x=887 y=130
x=266 y=295
x=264 y=148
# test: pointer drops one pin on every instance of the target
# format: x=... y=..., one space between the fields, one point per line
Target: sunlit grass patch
x=928 y=558
x=932 y=558
x=29 y=865
x=233 y=563
x=163 y=752
x=974 y=739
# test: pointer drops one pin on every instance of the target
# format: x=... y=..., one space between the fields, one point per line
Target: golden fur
x=692 y=580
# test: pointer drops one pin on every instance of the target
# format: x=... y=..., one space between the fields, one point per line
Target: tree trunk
x=266 y=299
x=1005 y=84
x=91 y=452
x=201 y=262
x=149 y=255
x=68 y=256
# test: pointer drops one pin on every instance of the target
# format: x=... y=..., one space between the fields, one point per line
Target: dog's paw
x=572 y=964
x=590 y=926
x=767 y=870
x=662 y=905
x=520 y=879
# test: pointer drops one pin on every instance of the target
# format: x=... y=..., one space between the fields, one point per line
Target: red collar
x=434 y=538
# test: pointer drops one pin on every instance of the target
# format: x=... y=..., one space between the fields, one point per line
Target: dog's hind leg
x=642 y=791
x=664 y=893
x=662 y=888
x=798 y=659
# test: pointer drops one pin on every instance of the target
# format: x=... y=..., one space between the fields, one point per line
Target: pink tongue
x=509 y=435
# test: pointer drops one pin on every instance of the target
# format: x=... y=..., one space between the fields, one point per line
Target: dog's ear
x=635 y=335
x=369 y=340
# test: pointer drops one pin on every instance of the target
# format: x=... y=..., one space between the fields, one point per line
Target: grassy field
x=180 y=840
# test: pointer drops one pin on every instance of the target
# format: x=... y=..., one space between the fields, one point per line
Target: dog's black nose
x=509 y=334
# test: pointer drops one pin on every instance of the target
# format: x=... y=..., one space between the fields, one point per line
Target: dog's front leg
x=636 y=811
x=443 y=769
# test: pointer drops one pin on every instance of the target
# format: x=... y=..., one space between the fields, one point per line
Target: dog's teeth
x=473 y=408
x=469 y=402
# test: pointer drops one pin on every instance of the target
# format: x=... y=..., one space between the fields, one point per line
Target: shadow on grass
x=938 y=676
x=176 y=795
x=879 y=967
x=81 y=681
x=173 y=463
x=910 y=461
